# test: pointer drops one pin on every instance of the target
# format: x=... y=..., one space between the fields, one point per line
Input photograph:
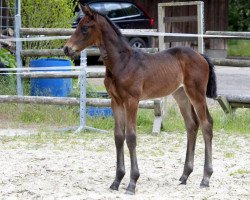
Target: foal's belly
x=158 y=91
x=163 y=76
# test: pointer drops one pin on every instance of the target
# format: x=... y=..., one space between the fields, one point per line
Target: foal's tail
x=211 y=86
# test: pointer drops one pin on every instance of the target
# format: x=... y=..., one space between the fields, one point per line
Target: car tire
x=137 y=43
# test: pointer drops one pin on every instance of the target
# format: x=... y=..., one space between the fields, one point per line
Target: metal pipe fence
x=7 y=14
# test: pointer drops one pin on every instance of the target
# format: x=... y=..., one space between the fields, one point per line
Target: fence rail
x=61 y=74
x=139 y=32
x=70 y=31
x=231 y=102
x=240 y=35
x=59 y=52
x=149 y=104
x=231 y=62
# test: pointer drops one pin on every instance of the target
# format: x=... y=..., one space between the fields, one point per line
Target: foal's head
x=86 y=34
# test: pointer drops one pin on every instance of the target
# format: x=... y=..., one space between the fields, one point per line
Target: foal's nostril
x=66 y=50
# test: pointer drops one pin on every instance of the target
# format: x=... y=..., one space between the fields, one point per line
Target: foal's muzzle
x=69 y=51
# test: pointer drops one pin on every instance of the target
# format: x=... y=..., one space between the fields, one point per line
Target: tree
x=239 y=15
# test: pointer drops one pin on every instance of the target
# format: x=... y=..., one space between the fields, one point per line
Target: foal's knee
x=119 y=140
x=207 y=129
x=131 y=140
x=192 y=127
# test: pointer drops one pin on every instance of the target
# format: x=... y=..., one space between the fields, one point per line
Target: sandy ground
x=84 y=167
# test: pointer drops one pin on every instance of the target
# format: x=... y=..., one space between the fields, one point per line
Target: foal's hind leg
x=198 y=100
x=192 y=125
x=119 y=134
x=207 y=130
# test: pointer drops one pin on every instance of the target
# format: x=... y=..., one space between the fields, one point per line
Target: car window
x=114 y=10
x=130 y=9
x=99 y=7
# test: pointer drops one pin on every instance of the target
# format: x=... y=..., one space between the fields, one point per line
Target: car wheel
x=137 y=43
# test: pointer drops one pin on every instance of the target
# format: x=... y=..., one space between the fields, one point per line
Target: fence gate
x=162 y=20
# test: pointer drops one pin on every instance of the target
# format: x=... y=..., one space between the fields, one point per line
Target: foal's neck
x=115 y=52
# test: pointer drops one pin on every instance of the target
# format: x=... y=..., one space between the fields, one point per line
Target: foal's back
x=164 y=72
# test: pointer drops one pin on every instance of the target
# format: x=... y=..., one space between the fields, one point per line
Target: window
x=98 y=7
x=114 y=10
x=130 y=9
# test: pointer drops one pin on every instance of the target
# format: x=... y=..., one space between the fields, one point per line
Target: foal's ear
x=87 y=10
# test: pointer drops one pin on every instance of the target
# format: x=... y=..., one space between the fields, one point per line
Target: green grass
x=173 y=121
x=47 y=116
x=235 y=123
x=229 y=155
x=240 y=172
x=8 y=85
x=239 y=48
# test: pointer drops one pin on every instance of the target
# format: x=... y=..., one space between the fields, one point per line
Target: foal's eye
x=84 y=29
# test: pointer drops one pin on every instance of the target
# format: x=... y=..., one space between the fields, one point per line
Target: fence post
x=161 y=26
x=82 y=77
x=200 y=26
x=83 y=64
x=83 y=97
x=18 y=47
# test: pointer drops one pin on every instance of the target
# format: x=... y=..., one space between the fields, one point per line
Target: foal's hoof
x=183 y=180
x=204 y=184
x=183 y=183
x=130 y=192
x=130 y=189
x=114 y=186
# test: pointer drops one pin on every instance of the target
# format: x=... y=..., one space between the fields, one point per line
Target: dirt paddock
x=83 y=167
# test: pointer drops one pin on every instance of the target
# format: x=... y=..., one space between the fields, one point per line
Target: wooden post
x=224 y=104
x=161 y=26
x=200 y=26
x=157 y=125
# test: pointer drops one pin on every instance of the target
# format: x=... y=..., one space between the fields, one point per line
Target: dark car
x=126 y=15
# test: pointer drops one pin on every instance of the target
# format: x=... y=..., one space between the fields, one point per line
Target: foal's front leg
x=119 y=134
x=131 y=107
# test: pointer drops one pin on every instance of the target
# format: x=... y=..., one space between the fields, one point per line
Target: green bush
x=7 y=58
x=47 y=14
x=239 y=15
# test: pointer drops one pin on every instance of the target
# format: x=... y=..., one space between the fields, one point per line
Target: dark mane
x=115 y=27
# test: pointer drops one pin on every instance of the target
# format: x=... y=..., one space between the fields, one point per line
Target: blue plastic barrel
x=57 y=87
x=99 y=112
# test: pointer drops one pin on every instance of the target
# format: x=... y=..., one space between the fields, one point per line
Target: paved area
x=233 y=80
x=230 y=80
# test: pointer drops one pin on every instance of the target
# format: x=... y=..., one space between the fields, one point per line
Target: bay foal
x=132 y=75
